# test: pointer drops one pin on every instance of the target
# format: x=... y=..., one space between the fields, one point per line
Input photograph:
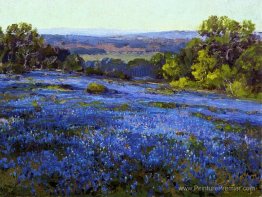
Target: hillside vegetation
x=226 y=57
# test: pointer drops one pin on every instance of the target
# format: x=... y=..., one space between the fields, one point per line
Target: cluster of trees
x=138 y=67
x=23 y=49
x=227 y=58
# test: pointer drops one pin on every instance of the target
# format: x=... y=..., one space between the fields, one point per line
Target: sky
x=140 y=15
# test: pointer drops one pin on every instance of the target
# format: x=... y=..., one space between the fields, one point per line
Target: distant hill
x=85 y=32
x=165 y=34
x=168 y=41
x=101 y=41
x=115 y=32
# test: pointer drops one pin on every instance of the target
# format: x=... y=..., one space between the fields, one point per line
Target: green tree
x=226 y=38
x=179 y=65
x=158 y=60
x=172 y=69
x=222 y=78
x=73 y=62
x=249 y=66
x=21 y=45
x=138 y=62
x=47 y=57
x=189 y=54
x=52 y=57
x=227 y=58
x=1 y=40
x=203 y=66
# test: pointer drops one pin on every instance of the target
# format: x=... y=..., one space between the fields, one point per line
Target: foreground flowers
x=70 y=142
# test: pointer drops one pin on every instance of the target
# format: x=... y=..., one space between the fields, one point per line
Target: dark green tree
x=226 y=38
x=1 y=41
x=73 y=62
x=1 y=44
x=179 y=65
x=249 y=67
x=225 y=41
x=138 y=62
x=21 y=45
x=158 y=60
x=189 y=54
x=52 y=57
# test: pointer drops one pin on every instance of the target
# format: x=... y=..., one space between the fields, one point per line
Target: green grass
x=167 y=105
x=58 y=88
x=163 y=105
x=96 y=104
x=126 y=57
x=122 y=107
x=5 y=97
x=223 y=125
x=96 y=88
x=164 y=91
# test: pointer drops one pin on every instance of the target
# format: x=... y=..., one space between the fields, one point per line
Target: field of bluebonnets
x=57 y=139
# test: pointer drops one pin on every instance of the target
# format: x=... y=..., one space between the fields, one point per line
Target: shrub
x=138 y=62
x=182 y=83
x=238 y=89
x=93 y=71
x=12 y=68
x=163 y=105
x=73 y=63
x=2 y=69
x=96 y=88
x=118 y=74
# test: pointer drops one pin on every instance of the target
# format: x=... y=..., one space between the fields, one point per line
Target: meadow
x=136 y=128
x=136 y=139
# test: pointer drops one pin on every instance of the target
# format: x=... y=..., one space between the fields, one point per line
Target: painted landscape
x=118 y=113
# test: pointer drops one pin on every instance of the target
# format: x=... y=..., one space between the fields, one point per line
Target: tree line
x=23 y=49
x=227 y=57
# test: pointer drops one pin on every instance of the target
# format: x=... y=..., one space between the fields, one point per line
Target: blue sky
x=143 y=15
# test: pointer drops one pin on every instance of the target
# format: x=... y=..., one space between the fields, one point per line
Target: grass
x=96 y=88
x=166 y=105
x=36 y=105
x=163 y=105
x=223 y=125
x=199 y=89
x=59 y=88
x=122 y=107
x=96 y=104
x=195 y=145
x=100 y=105
x=164 y=91
x=126 y=57
x=5 y=97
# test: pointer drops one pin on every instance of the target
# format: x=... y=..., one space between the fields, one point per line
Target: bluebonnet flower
x=87 y=148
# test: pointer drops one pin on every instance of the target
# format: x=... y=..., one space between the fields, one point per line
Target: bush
x=238 y=89
x=73 y=63
x=138 y=62
x=11 y=68
x=118 y=74
x=93 y=71
x=96 y=88
x=2 y=69
x=182 y=83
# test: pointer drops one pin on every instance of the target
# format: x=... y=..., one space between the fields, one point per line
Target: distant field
x=126 y=57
